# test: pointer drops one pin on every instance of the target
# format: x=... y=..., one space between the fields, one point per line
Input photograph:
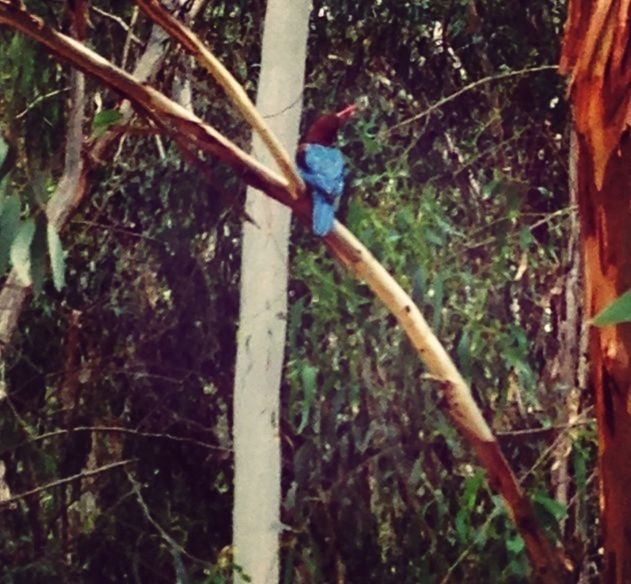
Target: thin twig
x=130 y=35
x=119 y=230
x=550 y=449
x=66 y=480
x=441 y=102
x=592 y=476
x=38 y=100
x=114 y=430
x=126 y=27
x=174 y=545
x=534 y=432
x=547 y=219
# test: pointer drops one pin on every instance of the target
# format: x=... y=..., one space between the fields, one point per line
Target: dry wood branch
x=233 y=89
x=549 y=563
x=126 y=27
x=461 y=406
x=38 y=100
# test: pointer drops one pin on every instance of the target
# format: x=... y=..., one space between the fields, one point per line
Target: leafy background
x=468 y=207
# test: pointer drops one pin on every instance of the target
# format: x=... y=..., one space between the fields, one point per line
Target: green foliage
x=27 y=244
x=104 y=120
x=309 y=375
x=9 y=224
x=38 y=253
x=617 y=312
x=21 y=251
x=5 y=159
x=57 y=261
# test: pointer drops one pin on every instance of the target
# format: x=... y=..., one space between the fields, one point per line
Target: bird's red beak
x=346 y=113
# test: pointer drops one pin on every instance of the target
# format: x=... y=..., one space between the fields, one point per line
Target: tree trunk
x=569 y=340
x=596 y=54
x=606 y=223
x=264 y=306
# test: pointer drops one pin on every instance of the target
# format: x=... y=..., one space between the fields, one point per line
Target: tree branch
x=115 y=430
x=233 y=89
x=65 y=480
x=445 y=100
x=118 y=20
x=166 y=113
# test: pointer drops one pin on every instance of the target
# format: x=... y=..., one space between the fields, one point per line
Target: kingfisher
x=321 y=166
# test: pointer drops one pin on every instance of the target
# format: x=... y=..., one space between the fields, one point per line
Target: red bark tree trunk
x=597 y=56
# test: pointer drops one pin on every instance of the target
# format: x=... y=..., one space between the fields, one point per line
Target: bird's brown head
x=324 y=129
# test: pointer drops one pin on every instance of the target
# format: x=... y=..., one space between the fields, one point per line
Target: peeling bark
x=606 y=220
x=597 y=57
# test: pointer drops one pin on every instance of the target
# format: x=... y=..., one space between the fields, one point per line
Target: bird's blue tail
x=323 y=214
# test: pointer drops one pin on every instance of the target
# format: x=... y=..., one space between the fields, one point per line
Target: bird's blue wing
x=323 y=214
x=323 y=170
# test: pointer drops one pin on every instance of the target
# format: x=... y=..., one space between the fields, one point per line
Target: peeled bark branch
x=548 y=562
x=233 y=89
x=151 y=103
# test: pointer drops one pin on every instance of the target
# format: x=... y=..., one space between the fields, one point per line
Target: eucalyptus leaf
x=552 y=506
x=104 y=120
x=9 y=223
x=309 y=376
x=38 y=256
x=5 y=186
x=438 y=287
x=4 y=151
x=57 y=258
x=515 y=544
x=617 y=312
x=21 y=252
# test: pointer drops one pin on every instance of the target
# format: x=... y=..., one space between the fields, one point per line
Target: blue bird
x=322 y=167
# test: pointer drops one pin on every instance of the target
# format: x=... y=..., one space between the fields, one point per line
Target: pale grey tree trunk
x=263 y=309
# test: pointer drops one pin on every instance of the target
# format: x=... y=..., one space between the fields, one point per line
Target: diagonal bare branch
x=180 y=32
